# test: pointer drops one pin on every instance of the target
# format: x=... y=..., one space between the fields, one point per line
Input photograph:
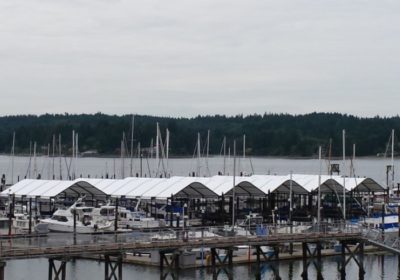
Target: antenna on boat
x=224 y=143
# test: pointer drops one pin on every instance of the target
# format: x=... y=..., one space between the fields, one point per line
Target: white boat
x=126 y=218
x=390 y=225
x=139 y=220
x=63 y=220
x=21 y=224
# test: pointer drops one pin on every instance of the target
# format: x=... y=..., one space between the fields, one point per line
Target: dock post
x=276 y=269
x=319 y=261
x=30 y=215
x=2 y=266
x=361 y=271
x=112 y=270
x=213 y=264
x=304 y=274
x=59 y=273
x=343 y=259
x=161 y=260
x=116 y=215
x=258 y=263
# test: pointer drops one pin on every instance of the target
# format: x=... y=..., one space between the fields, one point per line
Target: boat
x=126 y=218
x=21 y=224
x=63 y=220
x=390 y=223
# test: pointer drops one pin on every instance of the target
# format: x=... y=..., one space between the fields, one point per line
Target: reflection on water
x=384 y=267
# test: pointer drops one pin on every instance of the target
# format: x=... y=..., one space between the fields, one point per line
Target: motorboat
x=21 y=224
x=63 y=220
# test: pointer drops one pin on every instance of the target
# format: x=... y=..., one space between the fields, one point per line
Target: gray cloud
x=184 y=58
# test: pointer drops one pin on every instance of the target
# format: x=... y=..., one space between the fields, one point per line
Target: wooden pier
x=113 y=248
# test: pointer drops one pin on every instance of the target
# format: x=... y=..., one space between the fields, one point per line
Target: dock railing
x=168 y=238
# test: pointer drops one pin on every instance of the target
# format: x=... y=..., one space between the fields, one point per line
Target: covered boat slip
x=257 y=193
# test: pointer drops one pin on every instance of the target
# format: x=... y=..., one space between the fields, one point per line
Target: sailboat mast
x=122 y=156
x=34 y=160
x=12 y=159
x=234 y=184
x=73 y=153
x=319 y=185
x=53 y=159
x=158 y=144
x=344 y=174
x=48 y=161
x=76 y=153
x=198 y=154
x=167 y=151
x=59 y=154
x=30 y=159
x=353 y=160
x=392 y=159
x=244 y=146
x=132 y=130
x=224 y=155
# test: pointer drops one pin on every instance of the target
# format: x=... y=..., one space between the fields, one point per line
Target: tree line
x=266 y=135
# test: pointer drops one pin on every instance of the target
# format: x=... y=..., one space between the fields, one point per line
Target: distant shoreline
x=105 y=156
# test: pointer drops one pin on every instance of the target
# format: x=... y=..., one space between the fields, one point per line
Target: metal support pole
x=319 y=261
x=116 y=215
x=30 y=215
x=59 y=273
x=304 y=274
x=361 y=270
x=343 y=259
x=2 y=266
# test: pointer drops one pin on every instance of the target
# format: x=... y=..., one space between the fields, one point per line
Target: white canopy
x=190 y=187
x=51 y=188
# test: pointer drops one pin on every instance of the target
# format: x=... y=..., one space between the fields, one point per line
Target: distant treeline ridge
x=266 y=135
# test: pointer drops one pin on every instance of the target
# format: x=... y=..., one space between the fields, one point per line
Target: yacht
x=63 y=220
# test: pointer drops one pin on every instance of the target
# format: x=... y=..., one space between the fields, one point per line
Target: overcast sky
x=184 y=58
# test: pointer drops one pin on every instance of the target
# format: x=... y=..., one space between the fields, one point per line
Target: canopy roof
x=52 y=188
x=160 y=188
x=191 y=187
x=280 y=184
x=363 y=185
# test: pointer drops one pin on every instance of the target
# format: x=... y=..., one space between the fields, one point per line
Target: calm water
x=376 y=267
x=99 y=167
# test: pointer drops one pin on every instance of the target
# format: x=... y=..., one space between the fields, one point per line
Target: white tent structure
x=159 y=188
x=329 y=184
x=277 y=184
x=363 y=185
x=190 y=187
x=46 y=189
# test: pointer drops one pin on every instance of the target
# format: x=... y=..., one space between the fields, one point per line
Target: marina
x=184 y=223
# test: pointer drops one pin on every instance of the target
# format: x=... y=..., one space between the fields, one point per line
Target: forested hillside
x=268 y=134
